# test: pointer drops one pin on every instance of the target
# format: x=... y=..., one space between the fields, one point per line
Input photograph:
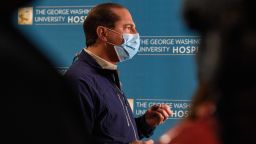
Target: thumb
x=149 y=141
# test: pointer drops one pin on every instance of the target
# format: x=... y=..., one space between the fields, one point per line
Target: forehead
x=125 y=17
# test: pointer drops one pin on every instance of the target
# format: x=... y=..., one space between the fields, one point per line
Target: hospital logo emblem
x=25 y=16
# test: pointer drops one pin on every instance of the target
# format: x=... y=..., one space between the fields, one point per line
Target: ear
x=102 y=33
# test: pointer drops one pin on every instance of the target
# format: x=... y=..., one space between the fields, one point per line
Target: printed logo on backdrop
x=53 y=15
x=180 y=108
x=169 y=45
x=25 y=16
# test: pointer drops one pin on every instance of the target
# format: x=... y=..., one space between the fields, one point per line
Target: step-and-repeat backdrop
x=163 y=71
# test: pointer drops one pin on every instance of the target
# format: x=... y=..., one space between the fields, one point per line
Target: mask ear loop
x=110 y=43
x=113 y=48
x=122 y=37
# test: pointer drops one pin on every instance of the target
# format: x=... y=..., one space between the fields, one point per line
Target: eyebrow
x=131 y=25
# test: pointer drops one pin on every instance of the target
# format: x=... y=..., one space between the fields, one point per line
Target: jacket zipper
x=131 y=124
x=127 y=113
x=123 y=110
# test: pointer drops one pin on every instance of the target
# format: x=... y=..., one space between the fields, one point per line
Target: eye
x=129 y=28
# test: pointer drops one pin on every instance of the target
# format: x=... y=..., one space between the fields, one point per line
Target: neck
x=103 y=52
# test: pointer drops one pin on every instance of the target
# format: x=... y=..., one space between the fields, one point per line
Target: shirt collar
x=103 y=63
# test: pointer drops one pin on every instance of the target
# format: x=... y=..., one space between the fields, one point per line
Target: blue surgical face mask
x=129 y=48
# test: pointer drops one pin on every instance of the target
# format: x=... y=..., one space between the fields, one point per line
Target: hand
x=157 y=114
x=150 y=141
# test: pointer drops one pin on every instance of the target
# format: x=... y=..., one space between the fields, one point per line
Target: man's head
x=101 y=15
x=106 y=15
x=106 y=24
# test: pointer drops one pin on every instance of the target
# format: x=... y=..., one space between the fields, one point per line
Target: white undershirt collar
x=103 y=63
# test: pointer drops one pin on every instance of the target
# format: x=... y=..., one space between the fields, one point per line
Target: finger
x=163 y=109
x=155 y=107
x=164 y=114
x=158 y=116
x=167 y=109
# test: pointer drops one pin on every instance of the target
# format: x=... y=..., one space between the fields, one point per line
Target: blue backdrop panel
x=163 y=71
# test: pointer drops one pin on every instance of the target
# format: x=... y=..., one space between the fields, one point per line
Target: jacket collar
x=111 y=74
x=102 y=62
x=85 y=57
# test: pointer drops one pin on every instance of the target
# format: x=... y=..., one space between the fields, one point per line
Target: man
x=111 y=37
x=38 y=106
